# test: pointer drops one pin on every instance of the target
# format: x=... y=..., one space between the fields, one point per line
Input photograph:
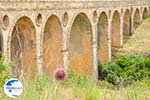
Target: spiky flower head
x=60 y=74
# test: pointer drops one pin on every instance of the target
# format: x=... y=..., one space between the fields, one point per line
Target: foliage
x=41 y=82
x=78 y=87
x=82 y=86
x=125 y=70
x=4 y=74
x=4 y=71
x=77 y=79
x=36 y=87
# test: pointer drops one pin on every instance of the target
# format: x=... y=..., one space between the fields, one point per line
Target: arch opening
x=126 y=26
x=23 y=48
x=52 y=44
x=115 y=38
x=145 y=13
x=81 y=45
x=65 y=19
x=136 y=19
x=95 y=16
x=5 y=22
x=39 y=19
x=102 y=38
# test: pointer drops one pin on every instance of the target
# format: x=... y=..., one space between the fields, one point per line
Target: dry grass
x=139 y=42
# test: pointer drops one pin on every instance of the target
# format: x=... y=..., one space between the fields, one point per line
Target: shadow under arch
x=145 y=13
x=126 y=25
x=136 y=19
x=115 y=36
x=23 y=48
x=52 y=44
x=116 y=29
x=102 y=38
x=80 y=45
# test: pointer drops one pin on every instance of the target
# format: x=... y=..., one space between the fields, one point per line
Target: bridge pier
x=39 y=53
x=94 y=52
x=109 y=39
x=132 y=22
x=65 y=13
x=141 y=15
x=65 y=49
x=121 y=30
x=5 y=49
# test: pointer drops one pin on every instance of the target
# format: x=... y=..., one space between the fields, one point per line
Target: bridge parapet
x=109 y=19
x=76 y=4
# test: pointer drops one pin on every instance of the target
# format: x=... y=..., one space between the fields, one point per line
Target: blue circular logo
x=13 y=88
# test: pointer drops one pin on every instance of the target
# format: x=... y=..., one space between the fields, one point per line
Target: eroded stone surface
x=23 y=47
x=92 y=38
x=103 y=39
x=80 y=46
x=52 y=44
x=116 y=30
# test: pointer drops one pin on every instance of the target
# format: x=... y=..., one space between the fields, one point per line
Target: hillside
x=139 y=42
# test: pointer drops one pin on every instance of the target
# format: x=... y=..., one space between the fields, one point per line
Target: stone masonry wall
x=72 y=34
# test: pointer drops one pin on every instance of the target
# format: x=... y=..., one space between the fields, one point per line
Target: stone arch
x=5 y=22
x=145 y=13
x=115 y=36
x=136 y=19
x=81 y=45
x=65 y=19
x=126 y=25
x=102 y=38
x=52 y=44
x=23 y=47
x=116 y=29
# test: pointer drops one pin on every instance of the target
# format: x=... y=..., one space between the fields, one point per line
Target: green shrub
x=4 y=72
x=4 y=75
x=125 y=70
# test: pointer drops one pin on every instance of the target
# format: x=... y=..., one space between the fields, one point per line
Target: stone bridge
x=40 y=36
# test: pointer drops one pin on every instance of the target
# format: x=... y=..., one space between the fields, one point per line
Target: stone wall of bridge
x=43 y=35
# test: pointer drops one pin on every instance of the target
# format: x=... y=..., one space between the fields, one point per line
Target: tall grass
x=78 y=87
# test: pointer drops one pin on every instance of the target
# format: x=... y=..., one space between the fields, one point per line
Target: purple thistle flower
x=60 y=74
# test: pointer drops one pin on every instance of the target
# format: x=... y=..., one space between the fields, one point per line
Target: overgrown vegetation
x=139 y=41
x=131 y=71
x=126 y=70
x=78 y=87
x=4 y=74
